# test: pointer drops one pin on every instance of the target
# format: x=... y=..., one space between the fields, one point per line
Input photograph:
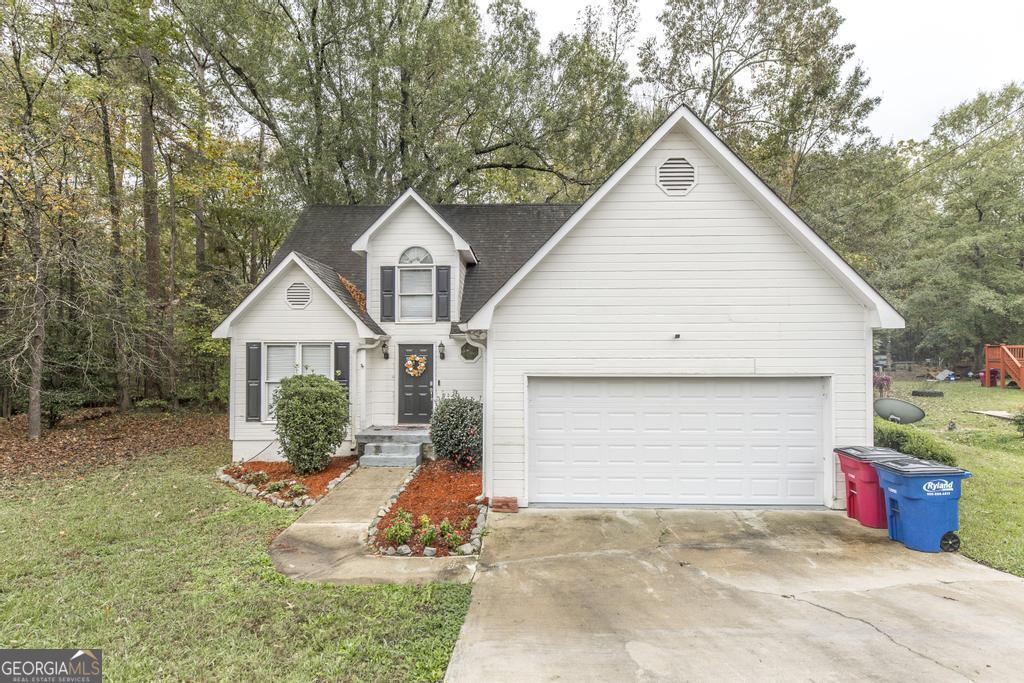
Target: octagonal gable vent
x=298 y=295
x=676 y=176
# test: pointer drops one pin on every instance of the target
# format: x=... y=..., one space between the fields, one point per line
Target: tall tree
x=770 y=76
x=150 y=215
x=33 y=159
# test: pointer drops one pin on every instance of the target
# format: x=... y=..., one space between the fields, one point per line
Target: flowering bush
x=882 y=382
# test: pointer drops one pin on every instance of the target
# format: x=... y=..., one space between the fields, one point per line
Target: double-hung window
x=286 y=360
x=416 y=286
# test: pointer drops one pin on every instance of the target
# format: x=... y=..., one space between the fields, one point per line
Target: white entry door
x=712 y=441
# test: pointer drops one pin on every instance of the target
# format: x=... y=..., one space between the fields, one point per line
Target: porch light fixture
x=384 y=350
x=440 y=350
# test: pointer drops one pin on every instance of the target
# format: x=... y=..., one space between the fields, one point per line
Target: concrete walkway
x=328 y=542
x=670 y=595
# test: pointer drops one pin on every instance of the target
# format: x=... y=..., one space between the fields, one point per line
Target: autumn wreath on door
x=415 y=365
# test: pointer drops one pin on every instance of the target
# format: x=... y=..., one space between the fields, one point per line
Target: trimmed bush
x=912 y=441
x=312 y=419
x=457 y=430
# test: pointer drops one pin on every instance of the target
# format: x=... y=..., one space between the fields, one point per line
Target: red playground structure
x=1003 y=362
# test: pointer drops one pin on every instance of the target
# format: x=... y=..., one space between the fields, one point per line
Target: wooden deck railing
x=1008 y=360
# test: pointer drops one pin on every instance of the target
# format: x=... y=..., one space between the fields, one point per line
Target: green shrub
x=58 y=404
x=428 y=535
x=456 y=430
x=312 y=419
x=275 y=486
x=448 y=535
x=256 y=477
x=152 y=405
x=912 y=441
x=400 y=530
x=298 y=489
x=1018 y=422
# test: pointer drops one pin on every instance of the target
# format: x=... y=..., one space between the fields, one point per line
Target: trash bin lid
x=915 y=466
x=870 y=453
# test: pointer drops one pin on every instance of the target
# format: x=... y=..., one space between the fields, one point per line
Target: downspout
x=478 y=338
x=362 y=370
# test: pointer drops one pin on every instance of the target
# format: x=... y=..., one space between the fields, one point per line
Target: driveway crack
x=664 y=532
x=879 y=631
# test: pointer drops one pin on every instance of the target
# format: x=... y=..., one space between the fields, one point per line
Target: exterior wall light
x=440 y=350
x=384 y=350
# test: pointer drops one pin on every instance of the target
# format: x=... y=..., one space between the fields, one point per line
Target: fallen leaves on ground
x=100 y=436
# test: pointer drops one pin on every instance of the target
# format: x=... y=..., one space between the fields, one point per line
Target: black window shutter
x=341 y=364
x=387 y=294
x=253 y=366
x=444 y=293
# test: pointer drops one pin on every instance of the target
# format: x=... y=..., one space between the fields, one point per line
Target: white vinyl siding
x=411 y=226
x=711 y=267
x=270 y=320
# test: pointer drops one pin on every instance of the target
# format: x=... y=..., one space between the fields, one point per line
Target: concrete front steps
x=392 y=446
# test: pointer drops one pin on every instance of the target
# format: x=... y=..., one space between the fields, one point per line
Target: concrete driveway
x=653 y=595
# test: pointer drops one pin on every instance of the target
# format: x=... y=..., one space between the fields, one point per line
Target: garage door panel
x=676 y=441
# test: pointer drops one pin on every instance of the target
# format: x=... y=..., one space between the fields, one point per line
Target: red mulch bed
x=95 y=437
x=440 y=490
x=316 y=484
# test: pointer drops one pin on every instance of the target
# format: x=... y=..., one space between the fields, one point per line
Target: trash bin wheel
x=950 y=542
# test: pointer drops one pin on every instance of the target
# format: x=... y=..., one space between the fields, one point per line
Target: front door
x=415 y=383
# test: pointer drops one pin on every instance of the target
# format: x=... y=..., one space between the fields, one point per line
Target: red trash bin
x=865 y=500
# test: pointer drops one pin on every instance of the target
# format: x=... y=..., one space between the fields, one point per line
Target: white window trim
x=265 y=417
x=433 y=293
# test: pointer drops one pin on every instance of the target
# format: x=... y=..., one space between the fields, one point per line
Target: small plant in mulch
x=400 y=530
x=435 y=514
x=256 y=477
x=277 y=481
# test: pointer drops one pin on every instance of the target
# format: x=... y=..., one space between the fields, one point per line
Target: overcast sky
x=923 y=56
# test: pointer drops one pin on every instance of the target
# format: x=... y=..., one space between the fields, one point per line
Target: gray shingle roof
x=503 y=236
x=331 y=279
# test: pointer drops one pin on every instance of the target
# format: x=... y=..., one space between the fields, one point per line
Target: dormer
x=415 y=264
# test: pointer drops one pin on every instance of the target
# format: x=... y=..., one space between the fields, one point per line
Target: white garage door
x=676 y=441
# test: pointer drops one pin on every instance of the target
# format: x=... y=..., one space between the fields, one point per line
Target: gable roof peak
x=326 y=277
x=362 y=243
x=883 y=315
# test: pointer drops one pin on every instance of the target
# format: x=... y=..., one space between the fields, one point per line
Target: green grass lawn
x=168 y=573
x=992 y=508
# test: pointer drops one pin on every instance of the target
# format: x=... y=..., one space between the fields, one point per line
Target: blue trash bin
x=922 y=503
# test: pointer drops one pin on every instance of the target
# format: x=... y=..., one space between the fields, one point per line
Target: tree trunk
x=121 y=374
x=199 y=204
x=151 y=223
x=37 y=338
x=172 y=219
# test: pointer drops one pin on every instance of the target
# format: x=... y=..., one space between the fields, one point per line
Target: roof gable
x=883 y=314
x=362 y=242
x=319 y=273
x=504 y=235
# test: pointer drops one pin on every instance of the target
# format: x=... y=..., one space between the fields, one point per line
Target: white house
x=682 y=337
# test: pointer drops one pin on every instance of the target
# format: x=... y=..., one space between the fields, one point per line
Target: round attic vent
x=298 y=295
x=676 y=176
